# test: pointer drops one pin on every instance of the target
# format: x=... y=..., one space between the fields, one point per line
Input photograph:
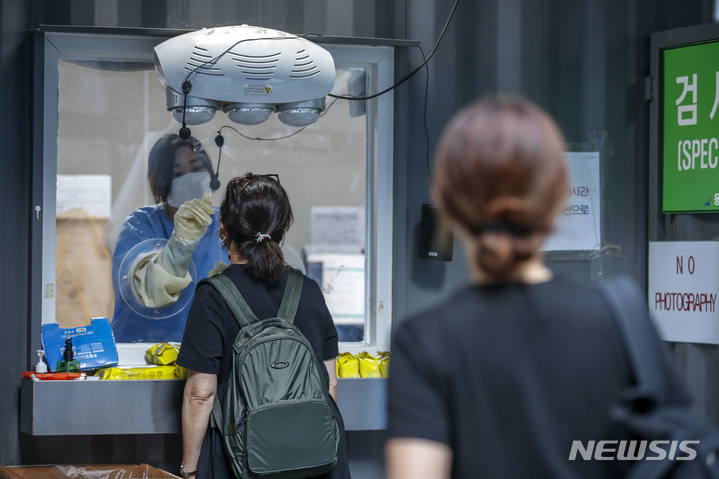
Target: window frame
x=133 y=45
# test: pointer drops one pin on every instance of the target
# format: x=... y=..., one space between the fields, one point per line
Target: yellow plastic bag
x=162 y=353
x=383 y=357
x=180 y=372
x=139 y=372
x=368 y=365
x=347 y=366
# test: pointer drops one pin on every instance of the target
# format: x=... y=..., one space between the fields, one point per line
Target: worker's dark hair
x=162 y=160
x=255 y=214
x=500 y=174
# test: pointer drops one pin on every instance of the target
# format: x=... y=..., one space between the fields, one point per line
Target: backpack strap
x=241 y=310
x=216 y=415
x=232 y=296
x=291 y=298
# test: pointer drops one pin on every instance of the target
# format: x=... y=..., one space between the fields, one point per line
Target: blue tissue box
x=94 y=344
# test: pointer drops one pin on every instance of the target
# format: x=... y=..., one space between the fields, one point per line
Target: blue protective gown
x=133 y=322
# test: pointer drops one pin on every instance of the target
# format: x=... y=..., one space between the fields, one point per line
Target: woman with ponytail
x=498 y=380
x=254 y=217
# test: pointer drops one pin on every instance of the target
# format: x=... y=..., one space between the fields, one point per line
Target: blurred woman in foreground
x=499 y=380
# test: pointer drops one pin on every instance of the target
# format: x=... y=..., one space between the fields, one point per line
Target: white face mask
x=188 y=187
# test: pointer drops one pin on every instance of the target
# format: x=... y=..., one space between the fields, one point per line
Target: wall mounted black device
x=435 y=242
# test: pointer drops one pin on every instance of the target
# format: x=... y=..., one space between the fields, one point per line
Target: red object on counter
x=51 y=376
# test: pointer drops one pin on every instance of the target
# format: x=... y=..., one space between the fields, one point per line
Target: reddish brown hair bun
x=500 y=173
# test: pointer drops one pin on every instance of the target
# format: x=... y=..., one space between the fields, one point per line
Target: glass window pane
x=109 y=116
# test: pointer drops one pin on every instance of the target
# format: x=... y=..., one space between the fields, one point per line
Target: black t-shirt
x=211 y=328
x=508 y=376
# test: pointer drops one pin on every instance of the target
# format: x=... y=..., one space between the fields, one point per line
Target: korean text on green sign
x=691 y=129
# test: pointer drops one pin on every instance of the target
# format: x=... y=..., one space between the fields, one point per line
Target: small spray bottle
x=68 y=364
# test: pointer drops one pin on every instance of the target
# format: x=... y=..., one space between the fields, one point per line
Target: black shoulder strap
x=242 y=311
x=654 y=367
x=630 y=311
x=651 y=360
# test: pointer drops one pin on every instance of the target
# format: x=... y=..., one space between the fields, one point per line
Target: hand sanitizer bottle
x=68 y=364
x=40 y=367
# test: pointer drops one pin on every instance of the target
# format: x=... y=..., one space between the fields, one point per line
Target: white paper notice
x=338 y=225
x=343 y=286
x=682 y=292
x=88 y=192
x=578 y=226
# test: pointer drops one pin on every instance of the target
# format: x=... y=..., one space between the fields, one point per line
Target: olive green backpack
x=276 y=421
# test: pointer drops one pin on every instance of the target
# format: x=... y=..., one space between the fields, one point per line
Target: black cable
x=426 y=130
x=336 y=97
x=184 y=131
x=219 y=141
x=344 y=97
x=436 y=45
x=258 y=139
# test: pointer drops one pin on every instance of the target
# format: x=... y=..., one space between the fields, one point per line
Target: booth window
x=103 y=108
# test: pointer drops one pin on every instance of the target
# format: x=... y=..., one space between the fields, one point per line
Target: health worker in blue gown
x=164 y=249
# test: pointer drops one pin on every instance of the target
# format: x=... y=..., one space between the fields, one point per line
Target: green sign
x=691 y=129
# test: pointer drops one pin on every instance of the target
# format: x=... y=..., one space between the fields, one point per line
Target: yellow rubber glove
x=160 y=278
x=154 y=285
x=193 y=218
x=191 y=222
x=219 y=268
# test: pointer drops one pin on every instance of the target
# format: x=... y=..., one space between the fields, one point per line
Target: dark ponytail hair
x=256 y=213
x=500 y=173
